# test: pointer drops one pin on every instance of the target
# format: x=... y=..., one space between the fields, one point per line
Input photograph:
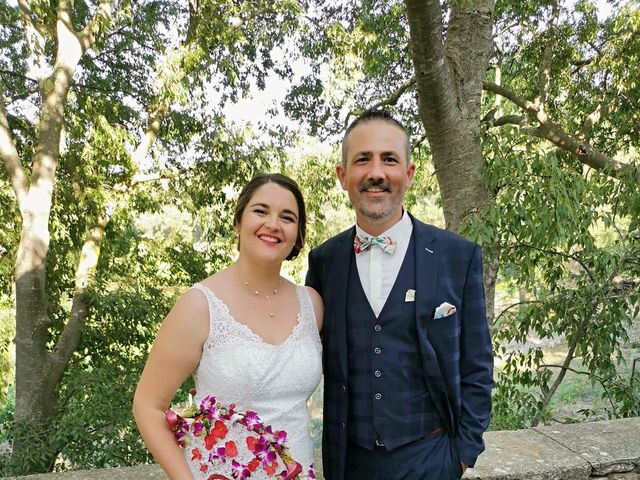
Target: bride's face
x=269 y=224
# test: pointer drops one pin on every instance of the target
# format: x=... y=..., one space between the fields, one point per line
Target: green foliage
x=360 y=56
x=568 y=235
x=7 y=333
x=183 y=62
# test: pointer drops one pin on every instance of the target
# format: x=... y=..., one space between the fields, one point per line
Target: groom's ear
x=341 y=173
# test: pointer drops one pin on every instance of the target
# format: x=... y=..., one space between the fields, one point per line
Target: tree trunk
x=449 y=77
x=38 y=372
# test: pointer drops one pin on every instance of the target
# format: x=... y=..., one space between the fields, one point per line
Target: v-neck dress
x=275 y=381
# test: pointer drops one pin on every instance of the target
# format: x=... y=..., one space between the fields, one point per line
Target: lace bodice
x=275 y=381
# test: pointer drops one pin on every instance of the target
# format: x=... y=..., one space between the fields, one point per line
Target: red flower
x=196 y=455
x=219 y=430
x=253 y=464
x=251 y=443
x=230 y=449
x=209 y=441
x=271 y=468
x=204 y=467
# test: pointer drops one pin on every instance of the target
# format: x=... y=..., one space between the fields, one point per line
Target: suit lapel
x=339 y=277
x=427 y=255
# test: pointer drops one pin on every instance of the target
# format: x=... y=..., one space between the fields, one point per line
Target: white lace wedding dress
x=275 y=381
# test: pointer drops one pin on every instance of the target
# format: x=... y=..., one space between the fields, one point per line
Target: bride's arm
x=318 y=306
x=174 y=356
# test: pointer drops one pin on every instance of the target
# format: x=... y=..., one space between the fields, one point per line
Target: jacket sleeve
x=313 y=278
x=476 y=366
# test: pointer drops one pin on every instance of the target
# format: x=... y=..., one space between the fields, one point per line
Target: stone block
x=141 y=472
x=604 y=444
x=526 y=454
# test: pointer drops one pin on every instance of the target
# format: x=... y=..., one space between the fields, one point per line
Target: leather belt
x=380 y=443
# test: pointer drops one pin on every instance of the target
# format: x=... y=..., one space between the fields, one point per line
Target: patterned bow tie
x=362 y=243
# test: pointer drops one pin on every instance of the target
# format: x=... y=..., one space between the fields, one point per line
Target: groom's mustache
x=379 y=182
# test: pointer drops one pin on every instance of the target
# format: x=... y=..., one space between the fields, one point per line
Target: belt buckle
x=379 y=443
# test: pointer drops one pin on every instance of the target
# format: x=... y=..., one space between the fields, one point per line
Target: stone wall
x=598 y=450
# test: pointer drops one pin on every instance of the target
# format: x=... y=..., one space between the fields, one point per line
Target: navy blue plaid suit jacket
x=456 y=351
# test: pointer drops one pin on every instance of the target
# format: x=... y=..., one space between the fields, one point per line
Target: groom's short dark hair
x=367 y=116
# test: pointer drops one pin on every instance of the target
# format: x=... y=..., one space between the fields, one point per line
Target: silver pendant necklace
x=267 y=297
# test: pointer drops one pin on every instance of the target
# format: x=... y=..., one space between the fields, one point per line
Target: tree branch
x=153 y=127
x=593 y=118
x=524 y=104
x=102 y=16
x=520 y=120
x=238 y=22
x=565 y=365
x=34 y=35
x=70 y=337
x=11 y=160
x=545 y=69
x=164 y=175
x=554 y=252
x=548 y=130
x=582 y=150
x=580 y=372
x=390 y=100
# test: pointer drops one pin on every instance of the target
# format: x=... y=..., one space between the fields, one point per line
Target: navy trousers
x=431 y=458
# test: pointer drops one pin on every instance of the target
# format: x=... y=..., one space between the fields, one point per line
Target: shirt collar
x=401 y=229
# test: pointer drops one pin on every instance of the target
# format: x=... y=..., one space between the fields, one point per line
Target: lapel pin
x=410 y=296
x=430 y=251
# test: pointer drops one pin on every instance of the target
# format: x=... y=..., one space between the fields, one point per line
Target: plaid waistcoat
x=388 y=397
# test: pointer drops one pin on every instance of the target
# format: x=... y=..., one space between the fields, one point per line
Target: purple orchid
x=207 y=403
x=239 y=470
x=197 y=428
x=261 y=447
x=220 y=455
x=252 y=421
x=268 y=458
x=280 y=438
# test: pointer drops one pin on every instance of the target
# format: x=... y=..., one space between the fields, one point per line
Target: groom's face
x=376 y=173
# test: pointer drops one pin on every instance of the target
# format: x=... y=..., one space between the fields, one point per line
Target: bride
x=248 y=336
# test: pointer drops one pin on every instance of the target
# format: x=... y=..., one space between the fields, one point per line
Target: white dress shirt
x=378 y=270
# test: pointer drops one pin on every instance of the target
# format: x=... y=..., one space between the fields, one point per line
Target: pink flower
x=293 y=470
x=172 y=418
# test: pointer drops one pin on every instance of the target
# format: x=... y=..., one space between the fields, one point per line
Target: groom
x=407 y=352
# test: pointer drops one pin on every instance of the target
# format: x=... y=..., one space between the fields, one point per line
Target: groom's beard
x=377 y=209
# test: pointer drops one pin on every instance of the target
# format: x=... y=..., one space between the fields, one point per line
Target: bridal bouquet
x=211 y=422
